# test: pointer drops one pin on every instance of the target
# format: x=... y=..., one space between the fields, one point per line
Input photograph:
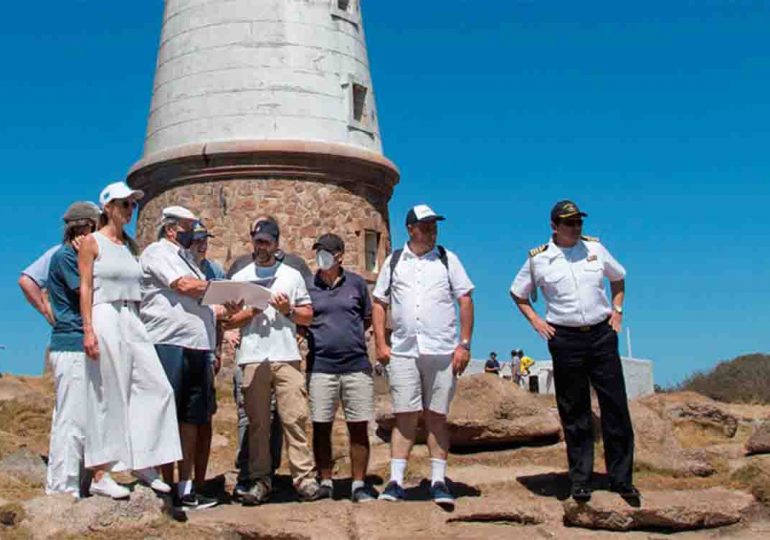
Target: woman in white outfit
x=131 y=422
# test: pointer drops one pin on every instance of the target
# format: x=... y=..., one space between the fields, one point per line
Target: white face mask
x=324 y=259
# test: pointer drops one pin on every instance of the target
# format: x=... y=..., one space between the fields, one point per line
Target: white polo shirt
x=271 y=336
x=423 y=308
x=572 y=282
x=172 y=318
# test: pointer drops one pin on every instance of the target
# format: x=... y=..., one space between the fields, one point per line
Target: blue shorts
x=191 y=374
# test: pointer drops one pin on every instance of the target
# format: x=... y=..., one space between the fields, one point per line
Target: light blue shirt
x=38 y=270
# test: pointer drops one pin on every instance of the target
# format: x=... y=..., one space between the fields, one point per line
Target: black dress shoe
x=626 y=491
x=581 y=494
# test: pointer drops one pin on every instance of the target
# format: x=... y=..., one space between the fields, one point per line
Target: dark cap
x=82 y=210
x=330 y=242
x=565 y=209
x=267 y=229
x=422 y=213
x=200 y=231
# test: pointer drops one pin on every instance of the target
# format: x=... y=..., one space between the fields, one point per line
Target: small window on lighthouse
x=346 y=10
x=371 y=247
x=343 y=5
x=359 y=102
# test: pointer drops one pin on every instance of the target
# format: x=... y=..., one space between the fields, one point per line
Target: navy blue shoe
x=442 y=496
x=392 y=492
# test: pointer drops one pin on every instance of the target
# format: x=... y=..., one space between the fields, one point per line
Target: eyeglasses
x=126 y=203
x=572 y=222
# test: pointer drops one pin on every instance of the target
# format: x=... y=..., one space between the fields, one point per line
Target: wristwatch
x=618 y=309
x=466 y=344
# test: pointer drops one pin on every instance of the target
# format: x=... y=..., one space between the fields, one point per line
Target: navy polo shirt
x=64 y=296
x=337 y=343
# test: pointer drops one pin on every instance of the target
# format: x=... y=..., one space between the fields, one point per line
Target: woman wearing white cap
x=131 y=413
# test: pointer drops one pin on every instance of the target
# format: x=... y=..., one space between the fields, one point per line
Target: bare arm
x=379 y=315
x=303 y=315
x=86 y=256
x=541 y=327
x=618 y=293
x=240 y=319
x=462 y=356
x=190 y=286
x=36 y=297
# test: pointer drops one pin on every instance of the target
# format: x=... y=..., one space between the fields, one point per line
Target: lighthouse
x=266 y=107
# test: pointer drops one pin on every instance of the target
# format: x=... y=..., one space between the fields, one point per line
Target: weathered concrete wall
x=261 y=69
x=637 y=374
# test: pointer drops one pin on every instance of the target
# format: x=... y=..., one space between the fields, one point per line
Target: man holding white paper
x=270 y=360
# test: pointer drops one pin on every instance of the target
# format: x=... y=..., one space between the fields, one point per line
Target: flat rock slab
x=759 y=442
x=25 y=464
x=660 y=510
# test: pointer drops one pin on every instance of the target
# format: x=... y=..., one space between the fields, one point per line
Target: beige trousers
x=286 y=379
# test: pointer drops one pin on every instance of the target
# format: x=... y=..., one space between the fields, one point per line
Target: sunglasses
x=572 y=222
x=126 y=203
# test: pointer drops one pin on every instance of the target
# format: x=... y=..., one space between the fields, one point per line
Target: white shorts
x=425 y=383
x=356 y=390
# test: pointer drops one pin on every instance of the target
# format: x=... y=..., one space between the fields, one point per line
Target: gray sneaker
x=309 y=490
x=364 y=494
x=257 y=494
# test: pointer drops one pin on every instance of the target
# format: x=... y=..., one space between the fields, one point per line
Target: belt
x=586 y=328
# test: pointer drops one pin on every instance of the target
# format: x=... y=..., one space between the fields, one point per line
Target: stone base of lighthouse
x=310 y=188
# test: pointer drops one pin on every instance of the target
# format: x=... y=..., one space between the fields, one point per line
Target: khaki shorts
x=356 y=390
x=421 y=384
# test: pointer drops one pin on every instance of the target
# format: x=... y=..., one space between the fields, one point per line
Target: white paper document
x=219 y=292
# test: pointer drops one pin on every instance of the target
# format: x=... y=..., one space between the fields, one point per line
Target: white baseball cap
x=422 y=213
x=179 y=212
x=119 y=190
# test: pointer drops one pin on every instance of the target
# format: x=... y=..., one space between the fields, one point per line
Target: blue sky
x=654 y=117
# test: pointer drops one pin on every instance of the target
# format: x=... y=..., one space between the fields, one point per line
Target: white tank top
x=117 y=273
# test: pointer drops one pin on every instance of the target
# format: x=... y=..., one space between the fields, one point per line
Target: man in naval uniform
x=581 y=327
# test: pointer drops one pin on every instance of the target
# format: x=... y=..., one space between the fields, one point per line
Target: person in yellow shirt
x=524 y=364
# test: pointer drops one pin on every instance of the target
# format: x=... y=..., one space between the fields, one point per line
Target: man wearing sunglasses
x=581 y=327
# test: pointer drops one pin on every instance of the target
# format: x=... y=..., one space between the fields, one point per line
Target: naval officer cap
x=178 y=212
x=564 y=210
x=422 y=213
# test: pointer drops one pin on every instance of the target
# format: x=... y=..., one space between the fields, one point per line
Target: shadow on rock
x=421 y=492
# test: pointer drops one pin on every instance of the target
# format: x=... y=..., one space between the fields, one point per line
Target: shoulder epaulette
x=538 y=250
x=590 y=238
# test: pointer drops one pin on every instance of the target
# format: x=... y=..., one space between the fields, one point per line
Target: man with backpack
x=421 y=284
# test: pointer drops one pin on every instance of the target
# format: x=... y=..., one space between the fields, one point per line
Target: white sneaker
x=150 y=477
x=107 y=487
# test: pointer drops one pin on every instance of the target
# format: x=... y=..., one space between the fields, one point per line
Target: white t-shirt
x=423 y=306
x=271 y=336
x=572 y=281
x=172 y=318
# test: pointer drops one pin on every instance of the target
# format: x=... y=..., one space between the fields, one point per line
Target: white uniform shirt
x=572 y=282
x=172 y=318
x=271 y=336
x=422 y=304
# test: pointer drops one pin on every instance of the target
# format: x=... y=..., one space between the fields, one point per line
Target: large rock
x=488 y=410
x=759 y=442
x=62 y=514
x=691 y=407
x=24 y=464
x=658 y=449
x=660 y=511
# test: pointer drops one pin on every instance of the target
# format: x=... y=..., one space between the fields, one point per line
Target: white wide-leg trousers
x=131 y=421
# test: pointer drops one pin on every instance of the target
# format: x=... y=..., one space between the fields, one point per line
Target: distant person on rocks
x=421 y=283
x=184 y=334
x=131 y=421
x=515 y=367
x=492 y=366
x=581 y=327
x=233 y=338
x=341 y=372
x=68 y=361
x=270 y=361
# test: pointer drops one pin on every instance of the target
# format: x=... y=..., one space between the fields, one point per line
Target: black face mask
x=185 y=238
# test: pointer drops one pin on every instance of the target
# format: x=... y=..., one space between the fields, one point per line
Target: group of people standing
x=135 y=353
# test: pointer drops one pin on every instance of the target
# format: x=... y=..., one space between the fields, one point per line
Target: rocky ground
x=703 y=468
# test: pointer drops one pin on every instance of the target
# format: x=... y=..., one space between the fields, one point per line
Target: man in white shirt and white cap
x=183 y=332
x=581 y=327
x=421 y=283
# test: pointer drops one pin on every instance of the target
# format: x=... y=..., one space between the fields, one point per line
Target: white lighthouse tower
x=267 y=107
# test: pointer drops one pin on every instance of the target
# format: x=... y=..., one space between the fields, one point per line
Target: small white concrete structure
x=636 y=372
x=232 y=70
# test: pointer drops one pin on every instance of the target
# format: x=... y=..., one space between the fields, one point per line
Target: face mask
x=185 y=238
x=325 y=260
